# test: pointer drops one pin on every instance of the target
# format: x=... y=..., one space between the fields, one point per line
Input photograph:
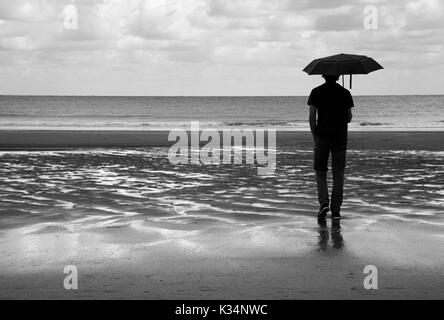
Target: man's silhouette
x=332 y=104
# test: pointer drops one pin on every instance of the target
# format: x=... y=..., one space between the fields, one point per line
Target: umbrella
x=341 y=64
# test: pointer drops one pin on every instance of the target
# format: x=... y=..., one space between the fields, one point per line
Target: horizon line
x=206 y=96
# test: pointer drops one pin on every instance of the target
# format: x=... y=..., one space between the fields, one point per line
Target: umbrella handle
x=350 y=81
x=342 y=80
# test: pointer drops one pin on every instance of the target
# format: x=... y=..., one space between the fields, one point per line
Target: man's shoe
x=322 y=214
x=335 y=215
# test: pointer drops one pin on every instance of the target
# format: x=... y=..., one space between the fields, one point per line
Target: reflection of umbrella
x=341 y=64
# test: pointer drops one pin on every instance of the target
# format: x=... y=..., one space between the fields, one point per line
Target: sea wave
x=367 y=123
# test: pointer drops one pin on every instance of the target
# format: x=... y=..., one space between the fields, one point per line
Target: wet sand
x=297 y=260
x=137 y=226
x=47 y=139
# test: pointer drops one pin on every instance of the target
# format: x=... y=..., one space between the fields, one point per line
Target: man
x=332 y=104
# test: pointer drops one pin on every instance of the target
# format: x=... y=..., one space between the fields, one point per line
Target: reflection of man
x=336 y=236
x=334 y=233
x=332 y=104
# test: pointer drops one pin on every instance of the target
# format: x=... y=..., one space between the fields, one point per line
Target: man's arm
x=312 y=120
x=350 y=105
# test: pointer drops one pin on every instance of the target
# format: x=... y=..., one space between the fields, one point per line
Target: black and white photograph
x=214 y=150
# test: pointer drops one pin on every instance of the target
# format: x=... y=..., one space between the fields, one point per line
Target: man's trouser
x=338 y=150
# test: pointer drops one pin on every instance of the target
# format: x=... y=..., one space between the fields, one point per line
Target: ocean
x=423 y=113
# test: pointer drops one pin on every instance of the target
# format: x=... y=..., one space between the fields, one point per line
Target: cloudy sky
x=214 y=47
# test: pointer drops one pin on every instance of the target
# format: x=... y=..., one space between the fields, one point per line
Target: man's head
x=330 y=78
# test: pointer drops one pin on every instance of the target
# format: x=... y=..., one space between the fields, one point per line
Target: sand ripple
x=141 y=184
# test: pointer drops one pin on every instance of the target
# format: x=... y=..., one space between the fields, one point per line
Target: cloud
x=339 y=22
x=159 y=39
x=25 y=10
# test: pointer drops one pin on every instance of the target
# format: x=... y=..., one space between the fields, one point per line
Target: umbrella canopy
x=341 y=64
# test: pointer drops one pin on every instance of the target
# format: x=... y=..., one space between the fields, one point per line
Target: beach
x=137 y=226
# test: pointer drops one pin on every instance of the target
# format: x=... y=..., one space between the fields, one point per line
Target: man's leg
x=338 y=155
x=321 y=153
